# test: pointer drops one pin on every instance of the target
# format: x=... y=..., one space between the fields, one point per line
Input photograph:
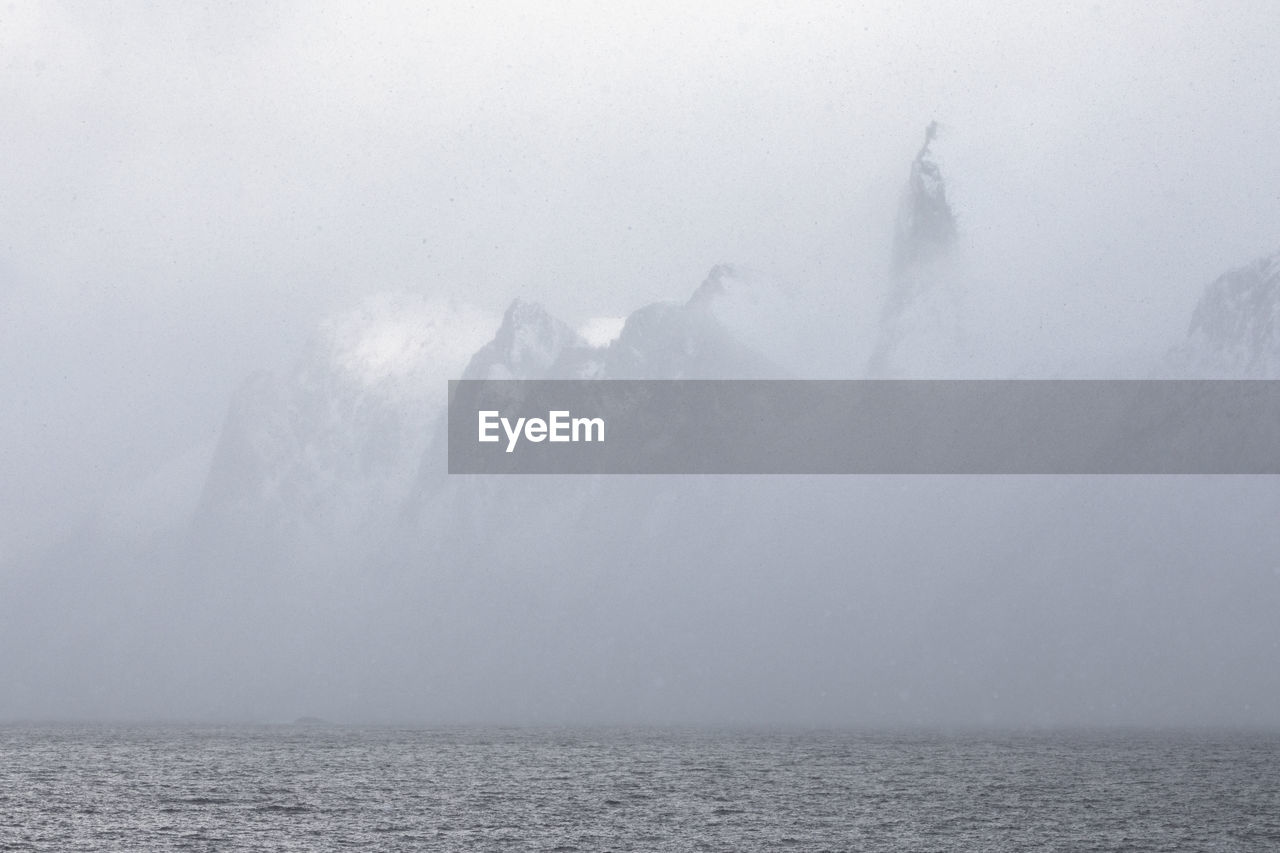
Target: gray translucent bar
x=867 y=427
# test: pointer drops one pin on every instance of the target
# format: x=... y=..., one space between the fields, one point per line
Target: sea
x=329 y=787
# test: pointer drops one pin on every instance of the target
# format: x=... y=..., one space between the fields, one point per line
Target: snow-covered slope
x=696 y=339
x=1235 y=328
x=333 y=446
x=526 y=346
x=710 y=336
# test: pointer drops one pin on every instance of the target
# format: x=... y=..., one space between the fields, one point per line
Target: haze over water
x=244 y=248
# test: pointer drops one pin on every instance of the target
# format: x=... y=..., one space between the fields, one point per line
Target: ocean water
x=284 y=788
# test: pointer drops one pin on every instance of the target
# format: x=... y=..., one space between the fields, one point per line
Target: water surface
x=142 y=788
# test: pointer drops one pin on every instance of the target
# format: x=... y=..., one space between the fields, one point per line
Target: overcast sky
x=186 y=188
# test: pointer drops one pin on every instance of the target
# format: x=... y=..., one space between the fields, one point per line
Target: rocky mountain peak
x=1235 y=327
x=527 y=344
x=926 y=225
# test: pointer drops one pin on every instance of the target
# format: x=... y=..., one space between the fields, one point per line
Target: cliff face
x=699 y=339
x=926 y=226
x=1235 y=327
x=527 y=345
x=332 y=445
x=341 y=449
x=920 y=328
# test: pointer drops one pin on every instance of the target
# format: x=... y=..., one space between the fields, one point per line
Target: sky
x=187 y=189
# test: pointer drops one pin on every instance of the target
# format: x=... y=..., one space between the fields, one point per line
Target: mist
x=220 y=484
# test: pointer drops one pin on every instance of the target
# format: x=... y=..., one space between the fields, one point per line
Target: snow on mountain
x=921 y=325
x=926 y=226
x=492 y=521
x=333 y=446
x=707 y=337
x=1235 y=327
x=601 y=331
x=710 y=336
x=667 y=598
x=527 y=344
x=682 y=341
x=757 y=314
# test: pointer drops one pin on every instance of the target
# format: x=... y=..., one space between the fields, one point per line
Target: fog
x=194 y=195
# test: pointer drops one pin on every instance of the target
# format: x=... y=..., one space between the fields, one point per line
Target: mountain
x=333 y=446
x=701 y=338
x=689 y=340
x=921 y=332
x=926 y=225
x=352 y=437
x=527 y=345
x=1235 y=328
x=334 y=455
x=336 y=570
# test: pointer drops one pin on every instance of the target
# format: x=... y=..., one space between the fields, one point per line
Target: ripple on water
x=261 y=788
